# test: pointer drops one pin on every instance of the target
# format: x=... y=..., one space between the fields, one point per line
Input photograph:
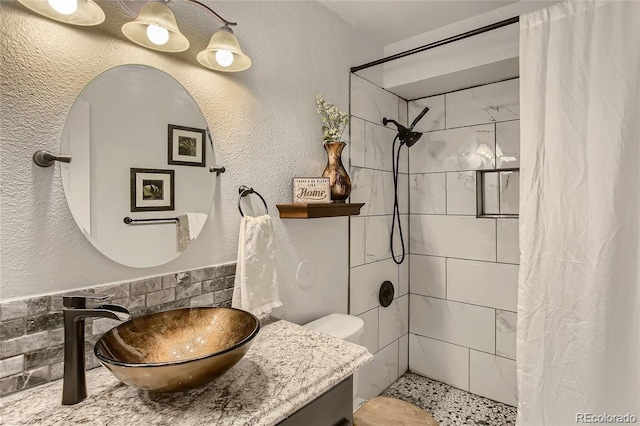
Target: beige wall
x=264 y=127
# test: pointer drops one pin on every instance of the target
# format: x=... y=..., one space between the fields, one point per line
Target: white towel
x=188 y=227
x=256 y=284
x=196 y=223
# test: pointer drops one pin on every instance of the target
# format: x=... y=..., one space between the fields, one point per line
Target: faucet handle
x=78 y=299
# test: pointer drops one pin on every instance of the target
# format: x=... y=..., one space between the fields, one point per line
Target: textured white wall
x=263 y=122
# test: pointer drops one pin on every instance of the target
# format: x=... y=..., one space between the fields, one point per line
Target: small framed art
x=152 y=190
x=187 y=146
x=311 y=190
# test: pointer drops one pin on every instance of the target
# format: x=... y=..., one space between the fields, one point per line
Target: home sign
x=310 y=190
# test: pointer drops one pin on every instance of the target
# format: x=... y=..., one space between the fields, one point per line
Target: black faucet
x=74 y=387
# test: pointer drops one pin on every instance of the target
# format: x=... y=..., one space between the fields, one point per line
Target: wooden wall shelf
x=311 y=211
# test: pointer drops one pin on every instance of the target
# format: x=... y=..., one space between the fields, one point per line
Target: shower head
x=407 y=136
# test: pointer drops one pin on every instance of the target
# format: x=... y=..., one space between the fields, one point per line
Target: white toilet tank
x=342 y=326
x=345 y=327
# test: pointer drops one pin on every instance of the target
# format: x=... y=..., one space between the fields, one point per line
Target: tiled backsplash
x=464 y=272
x=32 y=334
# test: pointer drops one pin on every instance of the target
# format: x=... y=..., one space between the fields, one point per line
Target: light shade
x=160 y=15
x=224 y=40
x=87 y=13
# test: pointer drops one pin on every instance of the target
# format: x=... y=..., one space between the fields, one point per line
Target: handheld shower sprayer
x=406 y=137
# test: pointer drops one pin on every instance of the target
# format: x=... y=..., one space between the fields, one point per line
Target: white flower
x=333 y=119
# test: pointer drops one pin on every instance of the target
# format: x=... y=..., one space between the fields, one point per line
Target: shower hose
x=395 y=161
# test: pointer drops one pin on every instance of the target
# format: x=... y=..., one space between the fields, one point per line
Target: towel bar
x=129 y=221
x=244 y=191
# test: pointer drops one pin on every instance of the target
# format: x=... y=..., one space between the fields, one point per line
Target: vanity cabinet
x=333 y=408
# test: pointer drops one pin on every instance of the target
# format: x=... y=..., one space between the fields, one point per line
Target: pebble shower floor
x=451 y=406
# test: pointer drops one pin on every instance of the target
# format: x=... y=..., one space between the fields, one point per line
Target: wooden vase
x=338 y=177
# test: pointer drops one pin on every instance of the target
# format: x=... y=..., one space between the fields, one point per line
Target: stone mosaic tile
x=451 y=406
x=12 y=328
x=188 y=290
x=32 y=334
x=160 y=297
x=213 y=285
x=146 y=286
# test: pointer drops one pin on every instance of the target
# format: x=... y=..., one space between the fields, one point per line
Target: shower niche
x=498 y=193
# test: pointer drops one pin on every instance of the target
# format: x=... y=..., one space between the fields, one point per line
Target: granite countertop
x=287 y=367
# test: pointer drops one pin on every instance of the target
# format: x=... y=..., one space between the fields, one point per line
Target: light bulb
x=157 y=35
x=64 y=7
x=224 y=58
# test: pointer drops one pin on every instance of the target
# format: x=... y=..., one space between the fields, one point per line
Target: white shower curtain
x=579 y=291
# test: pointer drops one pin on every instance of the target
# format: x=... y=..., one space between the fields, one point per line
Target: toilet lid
x=342 y=326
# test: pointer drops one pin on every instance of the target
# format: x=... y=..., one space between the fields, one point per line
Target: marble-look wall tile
x=378 y=147
x=427 y=193
x=493 y=377
x=403 y=110
x=459 y=323
x=461 y=193
x=466 y=148
x=484 y=104
x=393 y=321
x=508 y=241
x=506 y=323
x=378 y=230
x=509 y=192
x=403 y=277
x=356 y=241
x=439 y=360
x=428 y=276
x=369 y=338
x=491 y=193
x=371 y=102
x=508 y=144
x=376 y=376
x=403 y=354
x=404 y=221
x=356 y=144
x=462 y=237
x=366 y=281
x=483 y=283
x=435 y=117
x=375 y=189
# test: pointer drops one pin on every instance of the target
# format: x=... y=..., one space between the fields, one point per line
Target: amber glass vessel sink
x=179 y=349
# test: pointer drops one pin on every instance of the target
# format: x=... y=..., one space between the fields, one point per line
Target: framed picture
x=152 y=190
x=311 y=190
x=187 y=146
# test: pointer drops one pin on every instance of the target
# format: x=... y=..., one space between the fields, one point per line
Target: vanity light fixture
x=223 y=52
x=156 y=28
x=74 y=12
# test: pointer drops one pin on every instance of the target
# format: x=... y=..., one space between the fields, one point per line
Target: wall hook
x=46 y=159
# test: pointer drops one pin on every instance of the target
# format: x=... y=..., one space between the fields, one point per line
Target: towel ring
x=244 y=191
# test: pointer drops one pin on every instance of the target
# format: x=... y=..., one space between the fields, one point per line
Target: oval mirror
x=140 y=150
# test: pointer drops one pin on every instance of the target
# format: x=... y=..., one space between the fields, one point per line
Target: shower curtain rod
x=438 y=43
